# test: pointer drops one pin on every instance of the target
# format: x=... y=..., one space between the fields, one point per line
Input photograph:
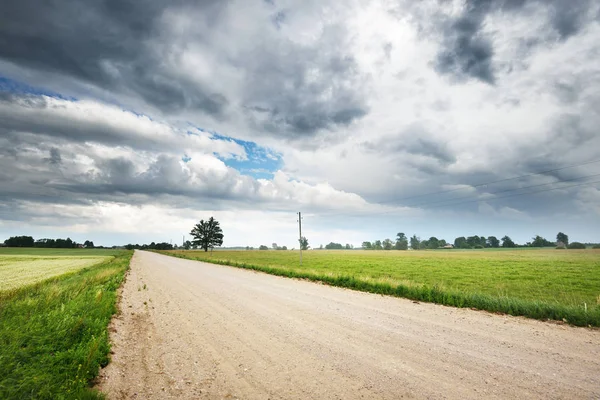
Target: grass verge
x=542 y=310
x=53 y=335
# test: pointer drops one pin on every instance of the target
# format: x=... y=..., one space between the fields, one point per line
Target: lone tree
x=561 y=237
x=207 y=234
x=303 y=243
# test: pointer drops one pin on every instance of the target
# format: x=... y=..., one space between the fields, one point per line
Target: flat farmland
x=22 y=267
x=539 y=283
x=55 y=306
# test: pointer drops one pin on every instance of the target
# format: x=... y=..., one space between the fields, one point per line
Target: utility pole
x=300 y=232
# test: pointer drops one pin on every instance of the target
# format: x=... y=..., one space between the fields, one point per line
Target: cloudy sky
x=128 y=121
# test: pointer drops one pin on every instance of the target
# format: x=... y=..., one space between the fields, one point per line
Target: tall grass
x=575 y=314
x=53 y=335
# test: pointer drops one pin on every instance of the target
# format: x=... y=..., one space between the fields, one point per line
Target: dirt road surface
x=191 y=330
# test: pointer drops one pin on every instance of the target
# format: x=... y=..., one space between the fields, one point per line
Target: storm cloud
x=288 y=88
x=467 y=49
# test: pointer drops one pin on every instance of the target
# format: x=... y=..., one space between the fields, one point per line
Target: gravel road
x=191 y=330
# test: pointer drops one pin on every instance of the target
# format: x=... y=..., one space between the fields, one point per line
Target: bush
x=596 y=246
x=576 y=245
x=560 y=247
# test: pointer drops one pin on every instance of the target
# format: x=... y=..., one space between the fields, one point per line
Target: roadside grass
x=542 y=284
x=53 y=334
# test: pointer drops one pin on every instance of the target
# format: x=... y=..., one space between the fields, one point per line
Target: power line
x=505 y=190
x=504 y=197
x=449 y=201
x=491 y=182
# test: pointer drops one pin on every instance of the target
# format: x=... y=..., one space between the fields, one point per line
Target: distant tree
x=461 y=243
x=414 y=242
x=88 y=244
x=334 y=246
x=164 y=246
x=424 y=244
x=187 y=245
x=577 y=245
x=442 y=243
x=304 y=243
x=401 y=245
x=263 y=247
x=367 y=246
x=283 y=248
x=56 y=243
x=19 y=241
x=433 y=243
x=473 y=241
x=377 y=245
x=274 y=246
x=387 y=244
x=561 y=237
x=207 y=234
x=321 y=247
x=507 y=242
x=492 y=241
x=129 y=246
x=539 y=241
x=401 y=241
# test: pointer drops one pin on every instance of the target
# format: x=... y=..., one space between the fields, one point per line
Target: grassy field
x=53 y=333
x=544 y=284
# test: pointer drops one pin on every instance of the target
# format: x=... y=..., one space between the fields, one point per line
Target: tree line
x=28 y=241
x=151 y=246
x=402 y=242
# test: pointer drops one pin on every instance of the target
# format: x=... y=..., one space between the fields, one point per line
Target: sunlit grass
x=18 y=271
x=53 y=334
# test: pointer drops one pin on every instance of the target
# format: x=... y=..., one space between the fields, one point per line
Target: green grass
x=542 y=284
x=53 y=334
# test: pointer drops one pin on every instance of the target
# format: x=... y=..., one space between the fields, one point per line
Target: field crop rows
x=17 y=271
x=544 y=284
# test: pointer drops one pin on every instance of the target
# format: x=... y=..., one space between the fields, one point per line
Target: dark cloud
x=133 y=48
x=569 y=16
x=297 y=90
x=107 y=43
x=55 y=158
x=417 y=141
x=467 y=53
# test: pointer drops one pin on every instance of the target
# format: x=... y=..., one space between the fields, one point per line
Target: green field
x=33 y=251
x=544 y=283
x=53 y=329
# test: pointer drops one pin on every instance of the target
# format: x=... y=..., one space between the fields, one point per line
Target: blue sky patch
x=12 y=86
x=261 y=163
